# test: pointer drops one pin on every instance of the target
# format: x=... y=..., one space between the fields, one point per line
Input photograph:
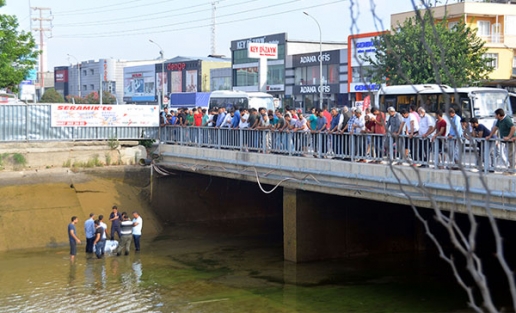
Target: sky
x=121 y=29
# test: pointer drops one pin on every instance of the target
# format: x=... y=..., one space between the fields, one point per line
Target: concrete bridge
x=307 y=181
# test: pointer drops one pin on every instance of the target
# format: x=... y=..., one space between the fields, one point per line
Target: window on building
x=92 y=71
x=333 y=74
x=84 y=87
x=452 y=25
x=312 y=75
x=300 y=76
x=84 y=72
x=245 y=76
x=275 y=75
x=92 y=87
x=492 y=59
x=510 y=25
x=483 y=28
x=496 y=30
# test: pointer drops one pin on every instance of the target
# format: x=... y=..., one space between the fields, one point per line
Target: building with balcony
x=495 y=23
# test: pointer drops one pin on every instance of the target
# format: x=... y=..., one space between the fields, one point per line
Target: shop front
x=306 y=89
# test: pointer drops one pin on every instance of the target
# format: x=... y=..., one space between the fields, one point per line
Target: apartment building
x=495 y=23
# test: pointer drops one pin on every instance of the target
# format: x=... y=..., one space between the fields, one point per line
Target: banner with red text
x=94 y=115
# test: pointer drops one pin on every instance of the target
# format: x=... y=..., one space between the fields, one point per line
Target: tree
x=424 y=50
x=51 y=96
x=17 y=52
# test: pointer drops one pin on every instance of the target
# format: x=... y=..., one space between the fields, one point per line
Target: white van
x=234 y=100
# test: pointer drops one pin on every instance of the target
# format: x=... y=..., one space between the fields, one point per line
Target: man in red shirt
x=197 y=115
x=328 y=117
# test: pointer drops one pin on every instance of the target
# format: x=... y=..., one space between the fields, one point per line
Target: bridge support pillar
x=309 y=233
x=319 y=226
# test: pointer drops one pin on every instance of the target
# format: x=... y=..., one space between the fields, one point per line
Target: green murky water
x=235 y=267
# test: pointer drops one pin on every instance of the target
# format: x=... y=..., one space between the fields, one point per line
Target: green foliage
x=17 y=52
x=19 y=159
x=147 y=143
x=425 y=51
x=51 y=96
x=113 y=143
x=93 y=98
x=108 y=158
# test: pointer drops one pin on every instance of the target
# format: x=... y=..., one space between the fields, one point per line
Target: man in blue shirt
x=454 y=136
x=72 y=236
x=89 y=230
x=480 y=131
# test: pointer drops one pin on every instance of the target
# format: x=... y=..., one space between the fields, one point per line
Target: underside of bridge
x=315 y=226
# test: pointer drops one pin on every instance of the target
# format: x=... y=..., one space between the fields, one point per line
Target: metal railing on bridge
x=23 y=123
x=441 y=153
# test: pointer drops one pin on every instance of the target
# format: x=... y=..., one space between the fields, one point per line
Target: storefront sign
x=327 y=57
x=277 y=39
x=92 y=115
x=361 y=87
x=262 y=50
x=176 y=66
x=275 y=87
x=61 y=76
x=316 y=89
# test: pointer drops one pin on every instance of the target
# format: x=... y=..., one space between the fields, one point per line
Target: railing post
x=219 y=135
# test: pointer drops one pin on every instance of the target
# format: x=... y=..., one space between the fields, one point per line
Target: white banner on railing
x=94 y=115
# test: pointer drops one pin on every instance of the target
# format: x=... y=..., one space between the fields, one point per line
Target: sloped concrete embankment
x=36 y=206
x=40 y=155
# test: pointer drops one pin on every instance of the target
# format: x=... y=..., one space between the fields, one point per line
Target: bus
x=468 y=102
x=234 y=100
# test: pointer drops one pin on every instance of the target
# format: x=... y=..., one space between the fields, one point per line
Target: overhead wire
x=100 y=9
x=199 y=20
x=130 y=33
x=130 y=20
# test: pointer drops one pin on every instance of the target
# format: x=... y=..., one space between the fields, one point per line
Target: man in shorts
x=72 y=236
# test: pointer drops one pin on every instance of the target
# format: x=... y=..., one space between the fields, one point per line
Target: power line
x=200 y=26
x=114 y=33
x=96 y=8
x=131 y=20
x=82 y=12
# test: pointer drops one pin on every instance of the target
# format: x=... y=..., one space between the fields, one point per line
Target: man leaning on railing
x=505 y=127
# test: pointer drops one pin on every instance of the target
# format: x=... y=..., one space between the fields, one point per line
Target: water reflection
x=196 y=269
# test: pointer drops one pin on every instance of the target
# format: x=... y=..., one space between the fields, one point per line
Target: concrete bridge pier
x=320 y=226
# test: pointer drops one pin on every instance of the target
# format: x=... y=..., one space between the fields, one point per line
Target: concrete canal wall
x=36 y=205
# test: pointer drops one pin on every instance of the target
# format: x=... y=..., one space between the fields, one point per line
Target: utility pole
x=42 y=48
x=213 y=25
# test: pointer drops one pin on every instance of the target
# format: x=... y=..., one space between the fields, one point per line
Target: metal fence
x=443 y=152
x=22 y=123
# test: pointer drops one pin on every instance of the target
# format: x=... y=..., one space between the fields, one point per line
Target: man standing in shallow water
x=72 y=236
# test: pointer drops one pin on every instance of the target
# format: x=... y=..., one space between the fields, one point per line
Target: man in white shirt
x=411 y=130
x=137 y=230
x=244 y=116
x=104 y=233
x=426 y=128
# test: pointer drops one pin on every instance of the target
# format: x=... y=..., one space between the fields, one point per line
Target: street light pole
x=162 y=72
x=78 y=74
x=320 y=61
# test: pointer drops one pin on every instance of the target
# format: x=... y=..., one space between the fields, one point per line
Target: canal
x=223 y=267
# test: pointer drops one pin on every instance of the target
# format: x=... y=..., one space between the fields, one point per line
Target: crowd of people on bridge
x=95 y=230
x=415 y=132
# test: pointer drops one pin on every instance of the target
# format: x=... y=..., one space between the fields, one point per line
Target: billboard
x=262 y=50
x=94 y=115
x=139 y=83
x=108 y=69
x=191 y=81
x=177 y=81
x=162 y=83
x=61 y=76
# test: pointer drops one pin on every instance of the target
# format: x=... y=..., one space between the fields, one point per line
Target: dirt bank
x=36 y=205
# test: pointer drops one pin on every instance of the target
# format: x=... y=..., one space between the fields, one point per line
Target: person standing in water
x=72 y=236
